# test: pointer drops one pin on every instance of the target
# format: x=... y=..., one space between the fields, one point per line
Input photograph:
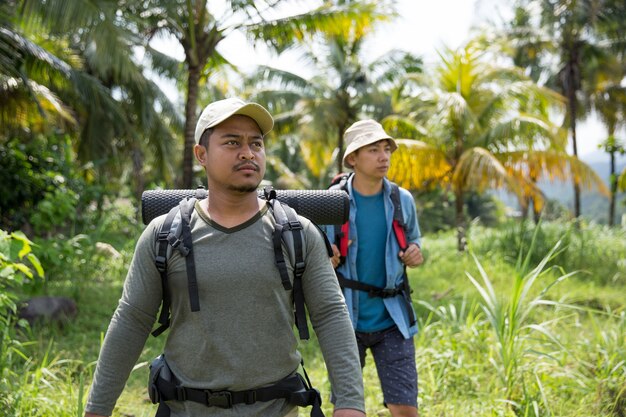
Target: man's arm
x=129 y=328
x=333 y=327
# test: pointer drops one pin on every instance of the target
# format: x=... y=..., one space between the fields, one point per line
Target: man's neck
x=231 y=209
x=367 y=185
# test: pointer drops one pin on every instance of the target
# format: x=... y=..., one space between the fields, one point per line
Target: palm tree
x=608 y=94
x=557 y=47
x=120 y=113
x=486 y=127
x=608 y=99
x=343 y=88
x=200 y=30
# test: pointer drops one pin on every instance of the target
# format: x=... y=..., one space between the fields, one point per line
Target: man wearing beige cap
x=372 y=251
x=236 y=353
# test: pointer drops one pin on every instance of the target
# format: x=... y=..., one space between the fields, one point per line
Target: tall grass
x=510 y=317
x=521 y=326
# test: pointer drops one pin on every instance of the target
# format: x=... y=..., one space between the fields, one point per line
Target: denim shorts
x=394 y=357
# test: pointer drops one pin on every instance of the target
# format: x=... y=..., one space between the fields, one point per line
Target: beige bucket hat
x=363 y=133
x=218 y=111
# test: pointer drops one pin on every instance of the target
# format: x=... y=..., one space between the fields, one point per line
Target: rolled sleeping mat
x=319 y=206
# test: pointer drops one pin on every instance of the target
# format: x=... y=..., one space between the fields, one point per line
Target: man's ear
x=350 y=159
x=200 y=153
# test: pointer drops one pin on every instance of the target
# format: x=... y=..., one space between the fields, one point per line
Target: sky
x=423 y=28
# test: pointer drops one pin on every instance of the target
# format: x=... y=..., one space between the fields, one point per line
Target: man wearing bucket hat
x=236 y=355
x=372 y=251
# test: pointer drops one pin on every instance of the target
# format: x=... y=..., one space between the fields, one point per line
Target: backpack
x=175 y=234
x=341 y=235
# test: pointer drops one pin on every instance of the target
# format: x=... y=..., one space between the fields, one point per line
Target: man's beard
x=243 y=189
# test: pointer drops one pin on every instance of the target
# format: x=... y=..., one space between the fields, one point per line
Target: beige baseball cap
x=218 y=111
x=363 y=133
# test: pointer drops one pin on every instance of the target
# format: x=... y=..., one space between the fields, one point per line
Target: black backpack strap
x=161 y=264
x=372 y=290
x=169 y=235
x=295 y=389
x=280 y=218
x=399 y=229
x=286 y=220
x=186 y=208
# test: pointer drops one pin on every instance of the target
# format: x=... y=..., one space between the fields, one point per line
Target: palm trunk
x=571 y=85
x=190 y=125
x=613 y=185
x=340 y=130
x=139 y=179
x=572 y=106
x=460 y=221
x=536 y=213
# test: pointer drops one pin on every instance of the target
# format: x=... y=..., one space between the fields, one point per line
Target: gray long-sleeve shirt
x=242 y=338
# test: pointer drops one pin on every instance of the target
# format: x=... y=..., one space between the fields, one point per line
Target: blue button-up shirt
x=395 y=268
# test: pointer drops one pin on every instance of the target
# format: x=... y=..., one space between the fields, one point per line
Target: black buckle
x=295 y=225
x=299 y=268
x=386 y=293
x=173 y=240
x=249 y=397
x=221 y=399
x=181 y=394
x=161 y=263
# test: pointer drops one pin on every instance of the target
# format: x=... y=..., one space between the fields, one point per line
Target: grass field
x=530 y=322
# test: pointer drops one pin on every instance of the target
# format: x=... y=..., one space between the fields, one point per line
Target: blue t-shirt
x=370 y=260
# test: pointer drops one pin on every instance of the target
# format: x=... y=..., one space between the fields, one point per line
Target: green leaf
x=36 y=264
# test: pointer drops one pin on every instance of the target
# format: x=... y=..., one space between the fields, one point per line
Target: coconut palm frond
x=418 y=165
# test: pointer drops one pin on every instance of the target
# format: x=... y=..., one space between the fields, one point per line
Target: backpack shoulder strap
x=288 y=229
x=175 y=226
x=341 y=231
x=186 y=208
x=340 y=181
x=399 y=228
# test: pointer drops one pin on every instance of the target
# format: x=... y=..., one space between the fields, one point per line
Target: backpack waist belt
x=403 y=289
x=292 y=388
x=372 y=290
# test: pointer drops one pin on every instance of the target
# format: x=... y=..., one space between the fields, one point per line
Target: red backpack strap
x=399 y=228
x=343 y=239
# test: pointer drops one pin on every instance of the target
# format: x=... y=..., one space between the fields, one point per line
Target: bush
x=41 y=187
x=597 y=251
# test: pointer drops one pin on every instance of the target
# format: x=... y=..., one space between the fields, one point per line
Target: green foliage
x=598 y=251
x=517 y=349
x=17 y=266
x=510 y=317
x=41 y=186
x=436 y=211
x=72 y=261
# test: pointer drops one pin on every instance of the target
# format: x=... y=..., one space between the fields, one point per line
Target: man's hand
x=348 y=412
x=412 y=256
x=335 y=259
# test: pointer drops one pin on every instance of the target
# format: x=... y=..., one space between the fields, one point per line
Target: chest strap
x=403 y=289
x=372 y=290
